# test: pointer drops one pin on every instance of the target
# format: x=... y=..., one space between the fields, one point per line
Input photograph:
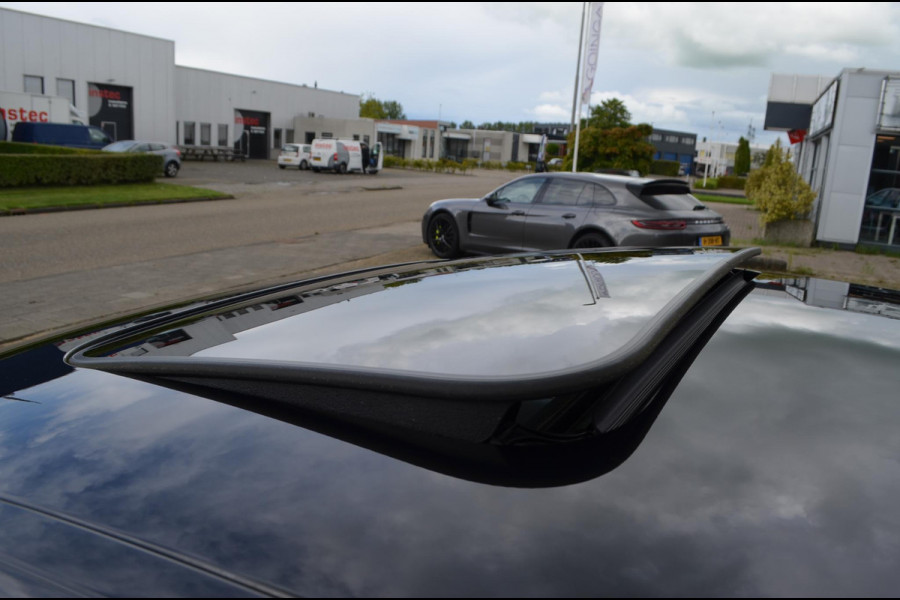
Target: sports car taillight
x=666 y=224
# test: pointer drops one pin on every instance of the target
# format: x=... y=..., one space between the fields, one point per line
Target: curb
x=14 y=212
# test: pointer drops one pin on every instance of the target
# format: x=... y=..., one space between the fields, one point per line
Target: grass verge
x=102 y=195
x=723 y=199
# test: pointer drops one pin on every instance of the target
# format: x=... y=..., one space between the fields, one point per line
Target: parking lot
x=62 y=270
x=245 y=176
x=71 y=268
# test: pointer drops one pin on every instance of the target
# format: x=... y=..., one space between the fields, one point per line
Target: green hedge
x=732 y=182
x=18 y=170
x=448 y=166
x=665 y=167
x=25 y=148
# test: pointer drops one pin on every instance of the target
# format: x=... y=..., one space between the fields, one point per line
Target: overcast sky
x=673 y=64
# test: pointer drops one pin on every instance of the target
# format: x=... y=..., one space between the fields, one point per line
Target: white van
x=345 y=156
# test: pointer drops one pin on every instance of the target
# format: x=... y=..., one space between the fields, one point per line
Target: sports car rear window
x=672 y=202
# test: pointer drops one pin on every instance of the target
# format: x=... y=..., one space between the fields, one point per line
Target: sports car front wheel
x=443 y=236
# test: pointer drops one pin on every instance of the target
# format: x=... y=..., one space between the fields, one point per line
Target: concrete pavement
x=59 y=302
x=46 y=300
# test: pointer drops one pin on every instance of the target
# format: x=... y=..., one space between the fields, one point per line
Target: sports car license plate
x=713 y=240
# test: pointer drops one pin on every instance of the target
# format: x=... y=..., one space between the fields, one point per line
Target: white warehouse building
x=129 y=85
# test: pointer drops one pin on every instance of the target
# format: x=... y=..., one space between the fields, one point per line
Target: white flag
x=592 y=45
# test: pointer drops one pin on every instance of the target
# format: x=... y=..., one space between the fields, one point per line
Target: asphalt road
x=65 y=269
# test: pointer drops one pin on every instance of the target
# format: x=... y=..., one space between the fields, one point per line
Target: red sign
x=796 y=136
x=247 y=121
x=25 y=114
x=108 y=94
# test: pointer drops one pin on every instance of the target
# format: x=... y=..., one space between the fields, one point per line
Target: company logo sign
x=106 y=94
x=25 y=114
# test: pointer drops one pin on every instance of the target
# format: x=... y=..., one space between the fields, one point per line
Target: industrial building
x=129 y=85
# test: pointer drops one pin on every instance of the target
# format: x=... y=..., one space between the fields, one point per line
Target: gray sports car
x=553 y=211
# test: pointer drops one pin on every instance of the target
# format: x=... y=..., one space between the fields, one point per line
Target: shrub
x=665 y=167
x=394 y=162
x=95 y=168
x=711 y=183
x=777 y=189
x=732 y=182
x=28 y=148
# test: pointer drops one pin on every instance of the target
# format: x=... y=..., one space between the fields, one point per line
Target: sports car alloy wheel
x=443 y=237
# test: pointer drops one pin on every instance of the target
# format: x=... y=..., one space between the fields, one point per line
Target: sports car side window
x=520 y=192
x=603 y=197
x=566 y=192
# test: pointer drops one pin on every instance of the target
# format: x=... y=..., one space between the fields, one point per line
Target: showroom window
x=881 y=213
x=205 y=134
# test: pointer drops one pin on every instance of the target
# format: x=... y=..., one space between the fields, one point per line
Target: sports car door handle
x=569 y=216
x=518 y=213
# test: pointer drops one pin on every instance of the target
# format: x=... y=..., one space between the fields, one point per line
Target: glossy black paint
x=771 y=470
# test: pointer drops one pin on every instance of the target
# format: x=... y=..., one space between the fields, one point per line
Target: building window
x=223 y=135
x=327 y=135
x=34 y=84
x=881 y=212
x=289 y=136
x=366 y=139
x=277 y=142
x=355 y=137
x=656 y=137
x=189 y=133
x=424 y=144
x=311 y=115
x=205 y=134
x=66 y=89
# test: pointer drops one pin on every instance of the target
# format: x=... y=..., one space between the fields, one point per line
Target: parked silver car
x=294 y=155
x=171 y=155
x=553 y=211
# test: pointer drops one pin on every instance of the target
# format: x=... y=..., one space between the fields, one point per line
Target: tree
x=742 y=158
x=609 y=141
x=778 y=191
x=372 y=108
x=610 y=114
x=467 y=125
x=616 y=148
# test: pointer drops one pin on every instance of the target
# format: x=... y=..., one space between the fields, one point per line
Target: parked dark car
x=170 y=154
x=593 y=423
x=573 y=210
x=61 y=134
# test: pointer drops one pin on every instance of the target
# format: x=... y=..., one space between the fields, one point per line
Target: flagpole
x=588 y=66
x=576 y=101
x=578 y=66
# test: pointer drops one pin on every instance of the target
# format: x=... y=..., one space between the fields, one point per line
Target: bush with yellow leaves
x=777 y=190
